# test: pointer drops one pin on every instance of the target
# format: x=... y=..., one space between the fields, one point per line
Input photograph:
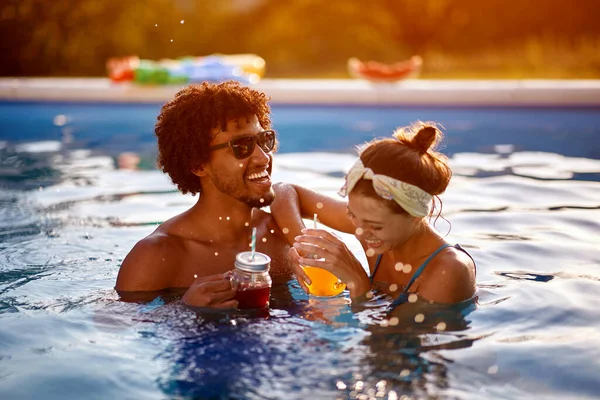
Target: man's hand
x=213 y=291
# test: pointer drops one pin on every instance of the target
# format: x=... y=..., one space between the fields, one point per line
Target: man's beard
x=231 y=188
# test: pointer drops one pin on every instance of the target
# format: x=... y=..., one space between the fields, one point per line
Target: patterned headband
x=413 y=199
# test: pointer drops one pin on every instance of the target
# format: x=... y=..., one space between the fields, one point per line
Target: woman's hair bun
x=425 y=138
x=421 y=136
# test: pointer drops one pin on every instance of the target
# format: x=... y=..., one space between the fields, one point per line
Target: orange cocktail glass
x=324 y=283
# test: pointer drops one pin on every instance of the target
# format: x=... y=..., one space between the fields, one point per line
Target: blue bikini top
x=403 y=298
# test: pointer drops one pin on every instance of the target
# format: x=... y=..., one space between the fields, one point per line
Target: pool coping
x=415 y=92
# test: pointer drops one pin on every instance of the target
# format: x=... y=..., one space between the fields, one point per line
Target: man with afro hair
x=214 y=140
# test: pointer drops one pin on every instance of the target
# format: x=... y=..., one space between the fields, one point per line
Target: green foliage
x=301 y=38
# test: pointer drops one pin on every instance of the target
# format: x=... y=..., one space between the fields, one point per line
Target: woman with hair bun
x=390 y=190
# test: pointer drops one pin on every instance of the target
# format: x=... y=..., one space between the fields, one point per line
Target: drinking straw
x=254 y=243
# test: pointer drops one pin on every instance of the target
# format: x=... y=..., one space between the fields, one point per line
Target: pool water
x=524 y=200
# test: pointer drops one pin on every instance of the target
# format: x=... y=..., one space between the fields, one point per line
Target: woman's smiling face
x=377 y=225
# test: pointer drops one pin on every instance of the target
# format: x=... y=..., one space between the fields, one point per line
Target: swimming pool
x=525 y=200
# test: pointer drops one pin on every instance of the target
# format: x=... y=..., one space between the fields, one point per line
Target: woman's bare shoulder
x=449 y=277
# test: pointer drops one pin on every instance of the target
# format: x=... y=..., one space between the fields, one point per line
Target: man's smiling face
x=248 y=179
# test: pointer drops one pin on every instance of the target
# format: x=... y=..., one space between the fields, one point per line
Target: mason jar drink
x=251 y=280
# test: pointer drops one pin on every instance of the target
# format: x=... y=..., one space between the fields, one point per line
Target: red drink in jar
x=251 y=280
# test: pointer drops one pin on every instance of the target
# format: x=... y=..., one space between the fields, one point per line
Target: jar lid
x=245 y=262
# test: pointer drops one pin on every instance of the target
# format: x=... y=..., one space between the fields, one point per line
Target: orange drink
x=324 y=283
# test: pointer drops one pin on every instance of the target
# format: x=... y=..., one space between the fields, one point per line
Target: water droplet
x=171 y=40
x=369 y=295
x=358 y=231
x=493 y=370
x=156 y=25
x=182 y=21
x=441 y=326
x=241 y=165
x=272 y=230
x=419 y=318
x=247 y=224
x=413 y=297
x=394 y=321
x=228 y=218
x=285 y=231
x=384 y=323
x=264 y=240
x=220 y=218
x=195 y=276
x=262 y=200
x=216 y=253
x=319 y=205
x=233 y=322
x=370 y=252
x=393 y=287
x=407 y=268
x=60 y=120
x=398 y=266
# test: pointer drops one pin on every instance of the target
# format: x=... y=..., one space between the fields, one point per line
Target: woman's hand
x=301 y=276
x=330 y=253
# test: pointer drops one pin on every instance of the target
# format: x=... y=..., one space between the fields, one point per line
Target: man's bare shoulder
x=148 y=266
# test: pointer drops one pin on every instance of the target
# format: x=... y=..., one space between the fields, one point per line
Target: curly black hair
x=183 y=127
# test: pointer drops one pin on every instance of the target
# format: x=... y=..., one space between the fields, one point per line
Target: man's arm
x=146 y=267
x=293 y=202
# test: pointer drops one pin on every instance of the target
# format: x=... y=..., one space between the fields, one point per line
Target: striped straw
x=254 y=243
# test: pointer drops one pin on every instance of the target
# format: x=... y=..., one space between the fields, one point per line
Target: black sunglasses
x=243 y=145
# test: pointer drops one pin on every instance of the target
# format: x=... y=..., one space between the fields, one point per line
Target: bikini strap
x=422 y=267
x=458 y=247
x=403 y=297
x=375 y=269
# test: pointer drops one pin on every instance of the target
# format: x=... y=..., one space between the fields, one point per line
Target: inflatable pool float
x=122 y=69
x=378 y=72
x=246 y=68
